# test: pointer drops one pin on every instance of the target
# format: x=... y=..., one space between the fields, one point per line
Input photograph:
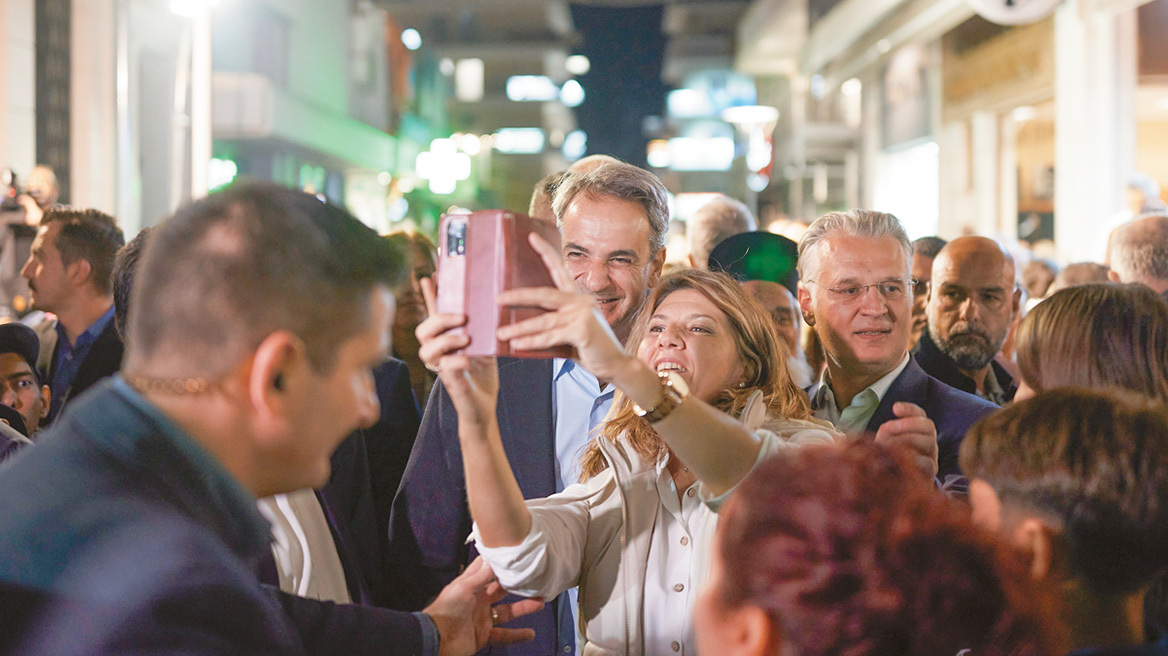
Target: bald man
x=713 y=223
x=972 y=302
x=1139 y=253
x=784 y=310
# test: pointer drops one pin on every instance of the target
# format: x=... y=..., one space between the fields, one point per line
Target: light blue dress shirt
x=580 y=405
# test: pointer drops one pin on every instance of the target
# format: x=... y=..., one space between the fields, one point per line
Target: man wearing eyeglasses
x=972 y=302
x=855 y=290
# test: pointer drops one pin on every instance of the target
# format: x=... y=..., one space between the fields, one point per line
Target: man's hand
x=572 y=319
x=914 y=430
x=466 y=619
x=32 y=211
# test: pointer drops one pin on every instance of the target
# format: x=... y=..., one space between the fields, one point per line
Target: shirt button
x=567 y=649
x=691 y=492
x=684 y=541
x=678 y=588
x=676 y=646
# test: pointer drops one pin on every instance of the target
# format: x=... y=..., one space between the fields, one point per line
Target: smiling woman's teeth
x=670 y=366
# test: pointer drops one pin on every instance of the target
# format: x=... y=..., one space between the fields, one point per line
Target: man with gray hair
x=713 y=223
x=613 y=218
x=1139 y=253
x=856 y=292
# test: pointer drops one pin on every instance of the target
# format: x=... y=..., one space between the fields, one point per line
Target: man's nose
x=8 y=397
x=594 y=277
x=871 y=301
x=969 y=309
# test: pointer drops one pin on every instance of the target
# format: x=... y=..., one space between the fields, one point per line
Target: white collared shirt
x=854 y=418
x=670 y=578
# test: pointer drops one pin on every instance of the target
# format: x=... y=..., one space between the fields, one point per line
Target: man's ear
x=1037 y=539
x=928 y=290
x=805 y=304
x=46 y=396
x=1112 y=275
x=79 y=271
x=656 y=266
x=272 y=375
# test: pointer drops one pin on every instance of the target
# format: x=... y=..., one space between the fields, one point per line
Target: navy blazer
x=103 y=360
x=951 y=410
x=125 y=546
x=430 y=520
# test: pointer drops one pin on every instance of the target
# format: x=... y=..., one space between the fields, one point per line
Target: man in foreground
x=132 y=526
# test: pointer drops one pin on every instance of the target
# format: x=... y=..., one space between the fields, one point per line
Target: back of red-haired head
x=850 y=555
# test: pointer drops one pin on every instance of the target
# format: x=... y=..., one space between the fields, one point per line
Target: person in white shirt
x=635 y=535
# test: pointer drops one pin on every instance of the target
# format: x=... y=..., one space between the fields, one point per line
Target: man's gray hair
x=622 y=181
x=714 y=223
x=853 y=223
x=1139 y=250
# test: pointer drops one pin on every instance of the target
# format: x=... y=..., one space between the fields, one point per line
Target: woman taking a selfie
x=635 y=535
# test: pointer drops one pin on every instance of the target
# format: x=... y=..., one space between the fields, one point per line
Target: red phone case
x=493 y=256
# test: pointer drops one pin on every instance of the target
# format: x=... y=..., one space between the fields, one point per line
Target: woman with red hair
x=834 y=551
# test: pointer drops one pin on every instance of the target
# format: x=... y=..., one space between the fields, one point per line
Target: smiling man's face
x=865 y=335
x=606 y=249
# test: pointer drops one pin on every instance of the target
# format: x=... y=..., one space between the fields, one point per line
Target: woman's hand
x=572 y=319
x=472 y=383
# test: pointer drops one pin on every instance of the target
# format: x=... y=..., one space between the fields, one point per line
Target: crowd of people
x=856 y=444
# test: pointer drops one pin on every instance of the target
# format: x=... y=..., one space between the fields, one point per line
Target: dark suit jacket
x=937 y=364
x=430 y=520
x=951 y=410
x=103 y=360
x=126 y=545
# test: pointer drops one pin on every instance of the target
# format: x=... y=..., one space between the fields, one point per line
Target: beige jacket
x=597 y=535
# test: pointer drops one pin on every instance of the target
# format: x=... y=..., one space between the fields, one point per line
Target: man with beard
x=972 y=302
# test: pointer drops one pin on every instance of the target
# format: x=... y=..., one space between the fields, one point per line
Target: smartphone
x=482 y=254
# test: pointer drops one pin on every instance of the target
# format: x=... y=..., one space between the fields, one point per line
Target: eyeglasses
x=890 y=290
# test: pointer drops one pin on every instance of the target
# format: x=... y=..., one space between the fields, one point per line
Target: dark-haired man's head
x=125 y=268
x=1079 y=479
x=72 y=258
x=257 y=315
x=925 y=250
x=20 y=387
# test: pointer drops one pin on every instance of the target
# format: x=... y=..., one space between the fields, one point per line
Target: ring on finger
x=494 y=616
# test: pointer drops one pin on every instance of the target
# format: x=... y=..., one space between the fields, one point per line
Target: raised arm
x=495 y=500
x=718 y=448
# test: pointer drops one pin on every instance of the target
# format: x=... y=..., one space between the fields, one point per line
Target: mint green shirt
x=854 y=418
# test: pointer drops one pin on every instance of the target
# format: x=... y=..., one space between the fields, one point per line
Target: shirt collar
x=823 y=393
x=91 y=333
x=567 y=367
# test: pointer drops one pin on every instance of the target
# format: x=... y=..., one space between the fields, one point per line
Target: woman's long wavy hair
x=762 y=354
